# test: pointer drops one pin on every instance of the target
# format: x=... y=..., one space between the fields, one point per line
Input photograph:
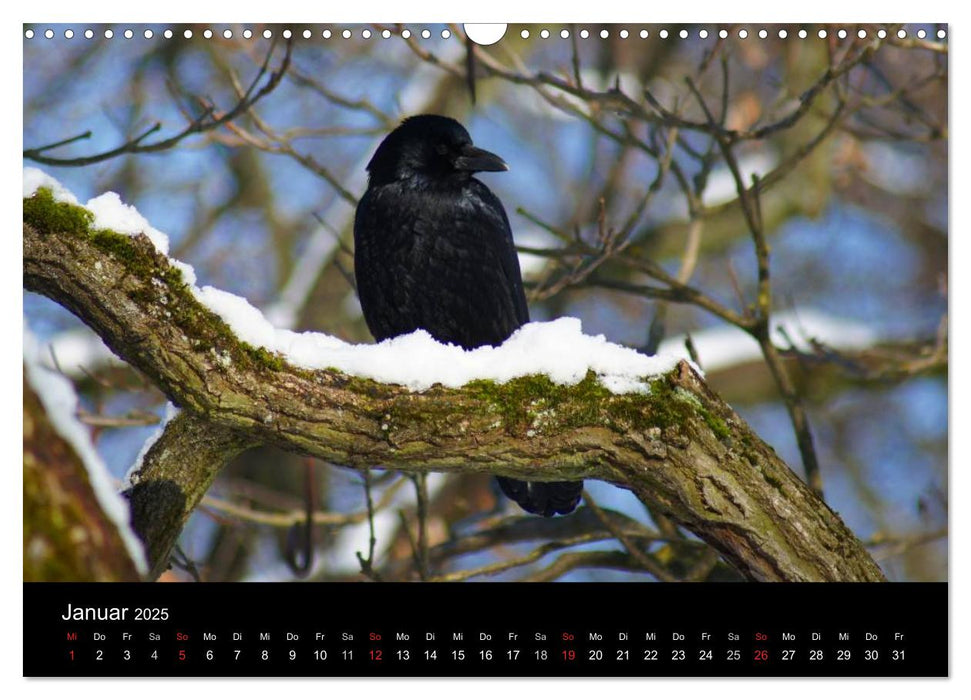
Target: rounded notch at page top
x=485 y=34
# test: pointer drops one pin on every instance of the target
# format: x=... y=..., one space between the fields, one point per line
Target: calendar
x=485 y=630
x=446 y=350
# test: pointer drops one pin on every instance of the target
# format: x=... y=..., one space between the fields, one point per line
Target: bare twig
x=421 y=550
x=206 y=121
x=638 y=554
x=367 y=565
x=295 y=516
x=130 y=420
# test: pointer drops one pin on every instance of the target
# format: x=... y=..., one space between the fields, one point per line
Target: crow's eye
x=442 y=149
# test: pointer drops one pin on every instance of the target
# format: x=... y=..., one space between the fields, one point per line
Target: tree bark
x=174 y=475
x=679 y=448
x=67 y=535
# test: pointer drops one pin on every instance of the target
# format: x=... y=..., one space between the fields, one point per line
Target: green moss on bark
x=47 y=215
x=525 y=404
x=160 y=283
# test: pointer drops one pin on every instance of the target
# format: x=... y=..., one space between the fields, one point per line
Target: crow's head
x=430 y=146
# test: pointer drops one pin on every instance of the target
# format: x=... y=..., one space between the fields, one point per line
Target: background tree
x=776 y=208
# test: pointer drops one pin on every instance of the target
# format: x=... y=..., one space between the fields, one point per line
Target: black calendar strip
x=485 y=630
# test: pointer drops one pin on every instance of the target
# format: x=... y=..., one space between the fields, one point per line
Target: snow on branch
x=558 y=349
x=551 y=404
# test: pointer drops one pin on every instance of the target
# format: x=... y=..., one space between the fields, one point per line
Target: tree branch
x=207 y=120
x=679 y=448
x=175 y=474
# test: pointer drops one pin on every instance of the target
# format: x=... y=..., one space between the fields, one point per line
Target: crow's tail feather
x=546 y=498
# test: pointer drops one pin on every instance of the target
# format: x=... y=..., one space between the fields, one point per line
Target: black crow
x=433 y=250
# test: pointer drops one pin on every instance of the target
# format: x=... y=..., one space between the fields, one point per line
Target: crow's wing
x=508 y=257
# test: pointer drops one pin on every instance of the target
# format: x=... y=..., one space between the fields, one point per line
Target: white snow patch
x=34 y=179
x=131 y=477
x=558 y=349
x=61 y=402
x=111 y=213
x=188 y=272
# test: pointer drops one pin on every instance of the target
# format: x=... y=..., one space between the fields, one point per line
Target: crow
x=433 y=250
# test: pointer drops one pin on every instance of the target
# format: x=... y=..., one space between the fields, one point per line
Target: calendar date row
x=404 y=655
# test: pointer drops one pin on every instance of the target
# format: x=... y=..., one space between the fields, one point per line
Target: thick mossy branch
x=67 y=535
x=174 y=475
x=679 y=447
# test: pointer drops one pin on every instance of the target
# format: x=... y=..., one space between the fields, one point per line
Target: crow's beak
x=476 y=160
